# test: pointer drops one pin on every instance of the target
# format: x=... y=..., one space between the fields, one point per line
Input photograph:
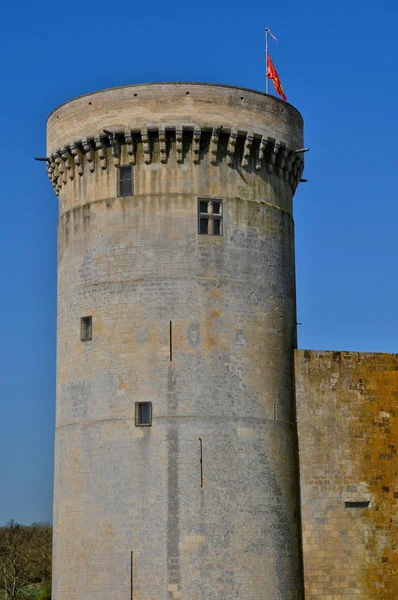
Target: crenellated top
x=182 y=142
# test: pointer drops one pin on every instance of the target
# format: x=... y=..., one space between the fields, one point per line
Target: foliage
x=25 y=559
x=45 y=593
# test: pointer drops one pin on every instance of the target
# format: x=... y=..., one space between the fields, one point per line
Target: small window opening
x=86 y=329
x=210 y=217
x=125 y=181
x=143 y=414
x=357 y=504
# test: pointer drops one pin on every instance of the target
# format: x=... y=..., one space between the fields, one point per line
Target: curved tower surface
x=176 y=469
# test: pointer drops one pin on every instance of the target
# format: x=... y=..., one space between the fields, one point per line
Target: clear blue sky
x=338 y=65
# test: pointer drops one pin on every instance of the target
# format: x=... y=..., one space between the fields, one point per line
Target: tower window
x=143 y=414
x=125 y=181
x=210 y=217
x=86 y=329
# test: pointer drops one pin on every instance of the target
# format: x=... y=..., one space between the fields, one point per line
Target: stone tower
x=176 y=469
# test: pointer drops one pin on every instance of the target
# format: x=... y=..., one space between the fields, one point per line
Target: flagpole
x=266 y=60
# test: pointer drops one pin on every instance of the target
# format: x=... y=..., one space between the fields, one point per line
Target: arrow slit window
x=210 y=217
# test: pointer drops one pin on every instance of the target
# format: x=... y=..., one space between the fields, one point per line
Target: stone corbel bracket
x=179 y=143
x=62 y=180
x=100 y=146
x=247 y=149
x=131 y=147
x=91 y=153
x=162 y=145
x=233 y=136
x=69 y=164
x=146 y=145
x=77 y=158
x=215 y=136
x=196 y=145
x=115 y=145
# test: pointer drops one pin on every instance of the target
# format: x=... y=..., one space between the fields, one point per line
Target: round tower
x=176 y=468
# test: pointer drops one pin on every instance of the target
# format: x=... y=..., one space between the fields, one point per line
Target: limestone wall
x=347 y=410
x=204 y=503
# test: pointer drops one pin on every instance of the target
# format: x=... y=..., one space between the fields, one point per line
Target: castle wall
x=347 y=412
x=204 y=503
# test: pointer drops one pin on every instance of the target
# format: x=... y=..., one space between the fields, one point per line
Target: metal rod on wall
x=266 y=60
x=132 y=577
x=201 y=463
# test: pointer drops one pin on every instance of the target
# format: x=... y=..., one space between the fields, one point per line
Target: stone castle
x=199 y=455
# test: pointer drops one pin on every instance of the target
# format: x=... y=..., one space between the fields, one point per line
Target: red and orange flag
x=273 y=75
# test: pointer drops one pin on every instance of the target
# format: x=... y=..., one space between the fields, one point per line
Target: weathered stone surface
x=136 y=264
x=347 y=410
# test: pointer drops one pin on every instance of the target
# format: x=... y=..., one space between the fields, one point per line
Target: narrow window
x=143 y=414
x=210 y=217
x=86 y=329
x=125 y=181
x=358 y=504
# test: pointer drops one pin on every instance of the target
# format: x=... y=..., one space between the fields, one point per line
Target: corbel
x=145 y=145
x=288 y=165
x=261 y=151
x=50 y=172
x=89 y=154
x=61 y=169
x=246 y=149
x=197 y=132
x=283 y=152
x=100 y=146
x=300 y=170
x=233 y=136
x=114 y=143
x=215 y=135
x=77 y=158
x=162 y=144
x=128 y=138
x=273 y=152
x=179 y=141
x=51 y=168
x=296 y=172
x=68 y=160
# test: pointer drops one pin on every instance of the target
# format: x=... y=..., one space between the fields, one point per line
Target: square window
x=125 y=180
x=143 y=414
x=210 y=217
x=86 y=329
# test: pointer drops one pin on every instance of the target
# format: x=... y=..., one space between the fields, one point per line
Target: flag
x=272 y=35
x=273 y=75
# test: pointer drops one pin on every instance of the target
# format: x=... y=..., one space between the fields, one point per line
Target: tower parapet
x=176 y=469
x=246 y=149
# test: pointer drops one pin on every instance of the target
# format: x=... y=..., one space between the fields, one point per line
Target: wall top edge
x=342 y=354
x=180 y=83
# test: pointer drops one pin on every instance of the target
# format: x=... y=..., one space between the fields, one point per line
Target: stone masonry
x=347 y=411
x=204 y=503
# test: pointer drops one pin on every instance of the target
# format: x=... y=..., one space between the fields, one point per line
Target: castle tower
x=176 y=470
